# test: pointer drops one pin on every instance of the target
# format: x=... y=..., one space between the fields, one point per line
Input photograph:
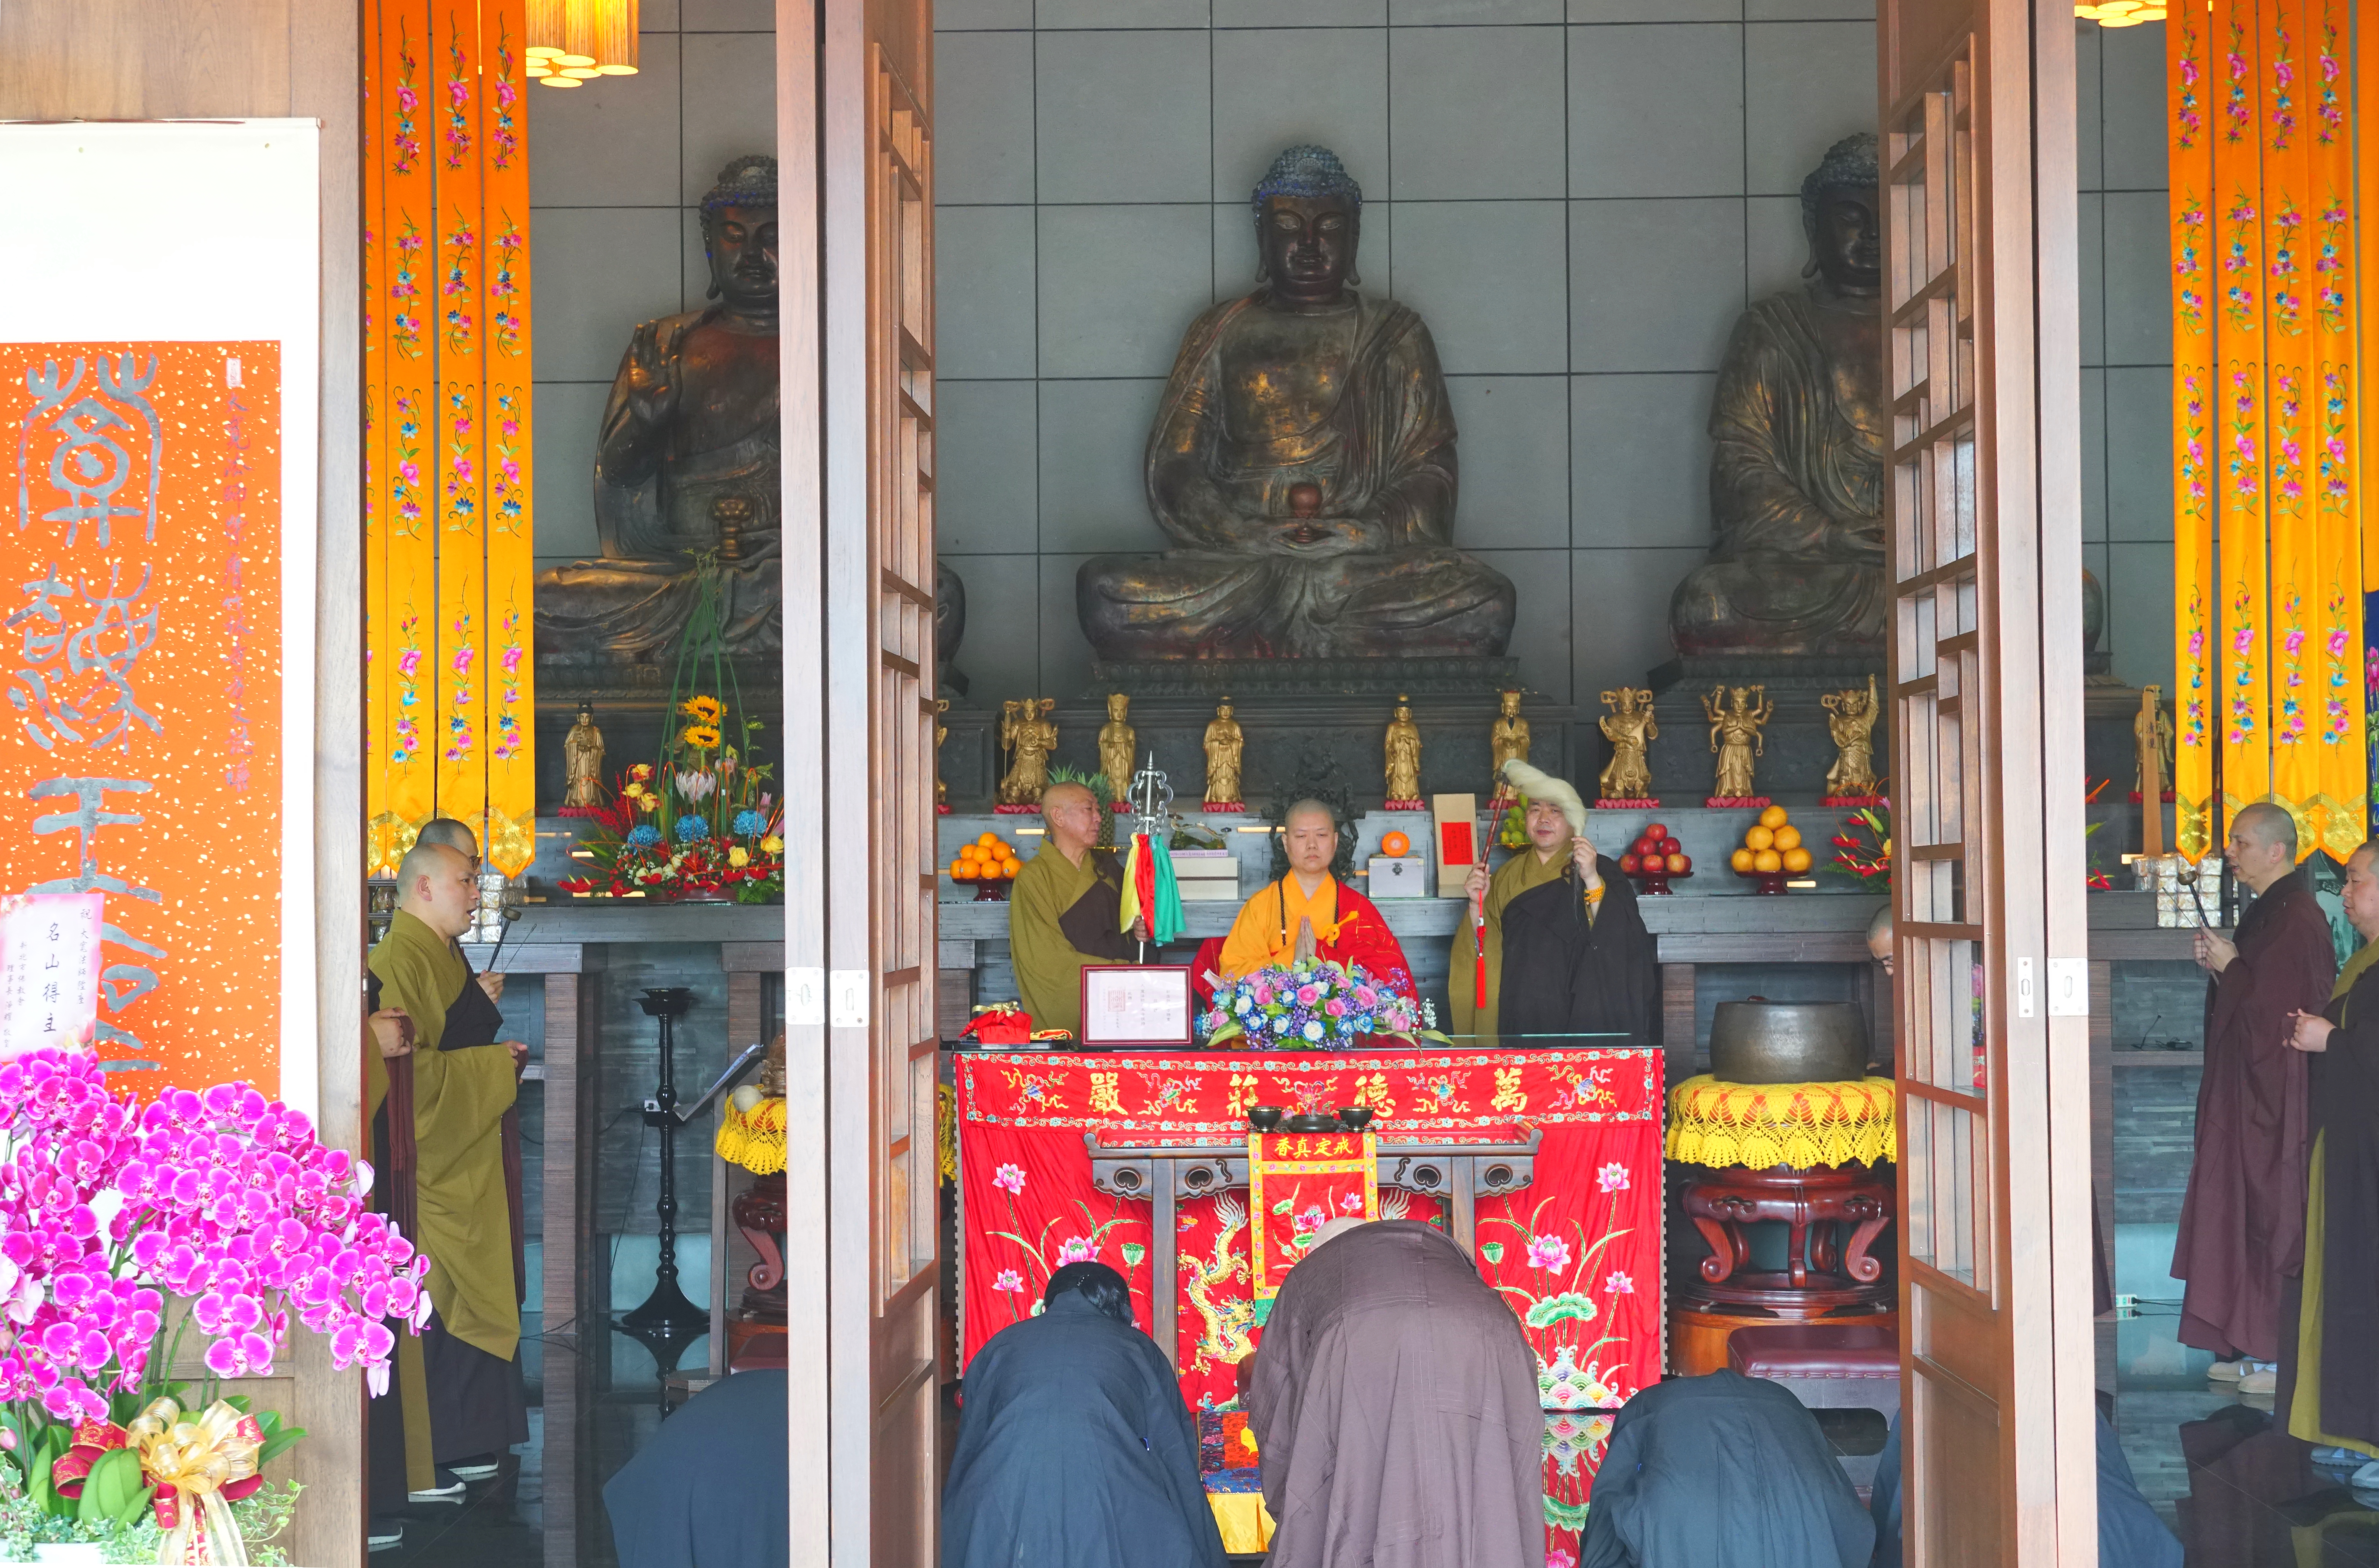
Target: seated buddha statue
x=1799 y=423
x=687 y=477
x=1302 y=461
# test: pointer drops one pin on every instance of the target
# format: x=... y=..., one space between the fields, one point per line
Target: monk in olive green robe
x=1065 y=910
x=463 y=1085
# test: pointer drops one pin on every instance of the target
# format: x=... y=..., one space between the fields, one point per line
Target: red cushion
x=1814 y=1350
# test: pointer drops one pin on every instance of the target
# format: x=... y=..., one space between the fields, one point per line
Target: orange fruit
x=989 y=839
x=969 y=853
x=1767 y=860
x=1010 y=866
x=1741 y=860
x=1395 y=844
x=1788 y=836
x=1797 y=861
x=1757 y=838
x=1772 y=818
x=962 y=870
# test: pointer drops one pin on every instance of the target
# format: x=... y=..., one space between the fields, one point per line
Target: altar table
x=1577 y=1251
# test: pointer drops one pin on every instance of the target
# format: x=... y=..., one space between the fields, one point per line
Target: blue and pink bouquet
x=1314 y=1005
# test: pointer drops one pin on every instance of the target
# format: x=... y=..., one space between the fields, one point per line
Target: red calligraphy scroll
x=1577 y=1252
x=141 y=622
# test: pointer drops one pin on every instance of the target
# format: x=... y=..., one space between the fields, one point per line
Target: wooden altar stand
x=1460 y=1173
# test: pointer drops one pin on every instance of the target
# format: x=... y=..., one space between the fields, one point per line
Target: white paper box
x=1400 y=876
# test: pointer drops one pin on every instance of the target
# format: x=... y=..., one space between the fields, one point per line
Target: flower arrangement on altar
x=215 y=1219
x=699 y=826
x=1314 y=1005
x=1862 y=850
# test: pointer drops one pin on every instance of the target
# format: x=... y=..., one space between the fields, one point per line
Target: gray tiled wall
x=1580 y=204
x=616 y=169
x=1579 y=201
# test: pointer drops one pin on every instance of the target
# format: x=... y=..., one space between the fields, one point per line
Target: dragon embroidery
x=1224 y=1338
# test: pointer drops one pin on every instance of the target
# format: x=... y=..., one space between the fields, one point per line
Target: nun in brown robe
x=1394 y=1398
x=2242 y=1229
x=2328 y=1390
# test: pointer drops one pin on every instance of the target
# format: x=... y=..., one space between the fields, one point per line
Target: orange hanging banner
x=511 y=836
x=2190 y=161
x=2338 y=804
x=374 y=312
x=2239 y=515
x=2291 y=408
x=462 y=710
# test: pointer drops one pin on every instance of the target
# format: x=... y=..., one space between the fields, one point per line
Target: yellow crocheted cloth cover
x=753 y=1138
x=1760 y=1125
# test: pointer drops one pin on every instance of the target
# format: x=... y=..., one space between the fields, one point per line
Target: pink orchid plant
x=226 y=1200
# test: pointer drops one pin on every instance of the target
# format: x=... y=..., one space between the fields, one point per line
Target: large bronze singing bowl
x=1760 y=1041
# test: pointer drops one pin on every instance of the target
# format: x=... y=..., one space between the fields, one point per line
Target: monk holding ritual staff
x=1065 y=909
x=1566 y=950
x=2243 y=1221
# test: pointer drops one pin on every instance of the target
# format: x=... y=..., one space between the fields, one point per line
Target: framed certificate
x=1136 y=1004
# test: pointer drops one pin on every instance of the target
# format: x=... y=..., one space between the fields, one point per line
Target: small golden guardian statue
x=1851 y=720
x=1403 y=750
x=941 y=733
x=582 y=757
x=1224 y=747
x=1735 y=717
x=1115 y=738
x=1028 y=736
x=1508 y=739
x=1631 y=728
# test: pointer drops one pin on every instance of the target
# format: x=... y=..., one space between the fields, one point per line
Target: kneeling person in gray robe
x=1393 y=1397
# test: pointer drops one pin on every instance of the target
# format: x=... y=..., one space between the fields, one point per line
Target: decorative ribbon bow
x=200 y=1467
x=1005 y=1023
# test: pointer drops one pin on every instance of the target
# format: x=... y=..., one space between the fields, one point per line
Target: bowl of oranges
x=989 y=864
x=1772 y=851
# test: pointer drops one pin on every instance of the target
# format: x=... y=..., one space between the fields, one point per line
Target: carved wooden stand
x=1834 y=1213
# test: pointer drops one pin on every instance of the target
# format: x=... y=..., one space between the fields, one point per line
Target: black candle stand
x=666 y=1322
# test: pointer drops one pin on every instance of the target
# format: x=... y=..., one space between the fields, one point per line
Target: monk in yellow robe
x=1310 y=913
x=1065 y=910
x=468 y=1377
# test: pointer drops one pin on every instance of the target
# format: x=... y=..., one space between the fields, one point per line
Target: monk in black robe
x=1722 y=1471
x=1566 y=950
x=2243 y=1221
x=1075 y=1450
x=710 y=1485
x=1393 y=1400
x=464 y=1369
x=2328 y=1386
x=1064 y=911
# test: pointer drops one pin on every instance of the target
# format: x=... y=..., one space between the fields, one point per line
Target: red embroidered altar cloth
x=1576 y=1253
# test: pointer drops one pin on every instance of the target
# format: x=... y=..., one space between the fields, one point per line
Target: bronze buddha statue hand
x=1302 y=461
x=687 y=486
x=1801 y=436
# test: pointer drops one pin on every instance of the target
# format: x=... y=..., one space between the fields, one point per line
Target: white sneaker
x=2366 y=1478
x=2228 y=1371
x=384 y=1534
x=2262 y=1380
x=445 y=1487
x=2337 y=1458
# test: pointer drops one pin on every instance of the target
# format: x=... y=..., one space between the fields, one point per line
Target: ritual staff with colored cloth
x=466 y=1364
x=1065 y=912
x=1310 y=913
x=2243 y=1221
x=1393 y=1400
x=1075 y=1450
x=2328 y=1386
x=1567 y=952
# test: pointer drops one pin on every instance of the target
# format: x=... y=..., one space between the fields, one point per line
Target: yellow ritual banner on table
x=2269 y=552
x=1298 y=1182
x=447 y=409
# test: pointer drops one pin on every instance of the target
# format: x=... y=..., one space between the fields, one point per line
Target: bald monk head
x=1879 y=937
x=1311 y=832
x=455 y=836
x=434 y=884
x=2263 y=846
x=1071 y=814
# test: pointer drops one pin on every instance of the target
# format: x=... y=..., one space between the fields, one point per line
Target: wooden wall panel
x=162 y=59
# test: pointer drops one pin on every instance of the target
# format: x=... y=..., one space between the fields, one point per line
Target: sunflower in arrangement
x=703 y=825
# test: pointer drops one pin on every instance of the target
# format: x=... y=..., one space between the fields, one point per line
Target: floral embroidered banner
x=1298 y=1182
x=2268 y=533
x=447 y=419
x=142 y=559
x=1577 y=1252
